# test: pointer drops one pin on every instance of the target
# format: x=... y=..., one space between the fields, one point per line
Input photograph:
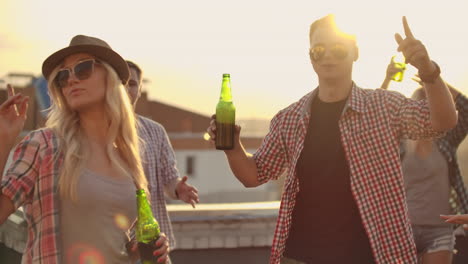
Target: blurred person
x=343 y=199
x=76 y=178
x=392 y=69
x=159 y=162
x=433 y=182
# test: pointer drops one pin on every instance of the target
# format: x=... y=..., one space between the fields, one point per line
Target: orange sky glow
x=185 y=46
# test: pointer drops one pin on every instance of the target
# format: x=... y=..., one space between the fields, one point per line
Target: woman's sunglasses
x=82 y=71
x=338 y=51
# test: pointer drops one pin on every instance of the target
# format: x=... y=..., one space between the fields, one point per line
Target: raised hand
x=414 y=51
x=12 y=116
x=187 y=192
x=392 y=69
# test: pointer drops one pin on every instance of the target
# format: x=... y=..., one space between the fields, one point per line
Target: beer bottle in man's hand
x=225 y=116
x=147 y=229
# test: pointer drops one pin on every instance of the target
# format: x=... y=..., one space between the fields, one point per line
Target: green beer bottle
x=147 y=229
x=225 y=116
x=398 y=77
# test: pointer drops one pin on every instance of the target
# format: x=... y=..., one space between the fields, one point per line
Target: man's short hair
x=137 y=68
x=419 y=94
x=328 y=22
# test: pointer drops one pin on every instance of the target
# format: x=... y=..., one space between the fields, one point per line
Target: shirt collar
x=356 y=100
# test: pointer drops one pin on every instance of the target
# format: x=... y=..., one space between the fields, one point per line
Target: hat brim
x=102 y=53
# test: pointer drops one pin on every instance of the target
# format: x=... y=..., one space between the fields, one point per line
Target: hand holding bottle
x=161 y=246
x=211 y=130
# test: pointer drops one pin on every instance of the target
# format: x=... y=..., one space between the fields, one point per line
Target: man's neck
x=334 y=90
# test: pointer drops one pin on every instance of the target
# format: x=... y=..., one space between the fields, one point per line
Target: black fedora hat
x=93 y=46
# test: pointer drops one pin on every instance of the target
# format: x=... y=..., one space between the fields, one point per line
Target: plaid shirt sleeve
x=410 y=118
x=168 y=159
x=19 y=180
x=458 y=133
x=270 y=158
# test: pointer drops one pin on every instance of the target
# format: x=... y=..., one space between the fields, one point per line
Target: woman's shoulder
x=43 y=138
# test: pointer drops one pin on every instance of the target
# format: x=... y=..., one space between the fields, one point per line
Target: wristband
x=430 y=78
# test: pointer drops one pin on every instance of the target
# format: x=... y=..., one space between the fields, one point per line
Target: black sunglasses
x=339 y=51
x=82 y=71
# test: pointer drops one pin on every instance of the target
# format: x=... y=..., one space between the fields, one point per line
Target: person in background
x=76 y=178
x=433 y=182
x=158 y=161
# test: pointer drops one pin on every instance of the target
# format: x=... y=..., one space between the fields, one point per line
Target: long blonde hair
x=122 y=133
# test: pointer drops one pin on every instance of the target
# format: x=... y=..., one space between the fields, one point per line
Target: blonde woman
x=76 y=178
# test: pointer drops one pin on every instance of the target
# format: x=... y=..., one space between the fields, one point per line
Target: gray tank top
x=427 y=186
x=93 y=230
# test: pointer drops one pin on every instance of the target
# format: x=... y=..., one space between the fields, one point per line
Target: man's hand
x=187 y=192
x=414 y=51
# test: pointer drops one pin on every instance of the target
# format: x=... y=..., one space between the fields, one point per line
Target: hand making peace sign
x=414 y=51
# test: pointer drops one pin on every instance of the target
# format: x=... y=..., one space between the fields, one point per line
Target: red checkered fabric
x=372 y=124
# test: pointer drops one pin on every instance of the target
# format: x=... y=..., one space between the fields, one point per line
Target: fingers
x=407 y=29
x=163 y=258
x=192 y=197
x=162 y=250
x=455 y=219
x=398 y=39
x=211 y=130
x=417 y=79
x=11 y=101
x=23 y=107
x=10 y=90
x=414 y=51
x=184 y=179
x=445 y=217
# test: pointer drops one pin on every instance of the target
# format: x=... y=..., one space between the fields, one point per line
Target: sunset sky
x=185 y=46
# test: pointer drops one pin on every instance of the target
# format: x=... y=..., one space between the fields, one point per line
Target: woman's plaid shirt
x=32 y=182
x=371 y=126
x=448 y=146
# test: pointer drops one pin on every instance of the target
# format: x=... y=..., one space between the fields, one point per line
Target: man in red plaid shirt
x=343 y=199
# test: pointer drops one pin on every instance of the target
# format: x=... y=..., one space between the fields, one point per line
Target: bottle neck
x=144 y=208
x=226 y=90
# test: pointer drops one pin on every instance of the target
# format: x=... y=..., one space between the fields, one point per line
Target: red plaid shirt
x=31 y=181
x=371 y=126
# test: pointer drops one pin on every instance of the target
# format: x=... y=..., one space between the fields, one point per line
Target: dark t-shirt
x=326 y=226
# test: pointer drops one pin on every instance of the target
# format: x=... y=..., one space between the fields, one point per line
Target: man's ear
x=356 y=53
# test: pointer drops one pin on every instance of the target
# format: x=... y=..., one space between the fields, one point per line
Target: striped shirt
x=371 y=126
x=159 y=164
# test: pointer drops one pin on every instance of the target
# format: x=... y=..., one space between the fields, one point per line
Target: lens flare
x=84 y=254
x=206 y=136
x=122 y=221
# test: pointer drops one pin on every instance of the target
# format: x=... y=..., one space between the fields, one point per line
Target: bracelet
x=430 y=78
